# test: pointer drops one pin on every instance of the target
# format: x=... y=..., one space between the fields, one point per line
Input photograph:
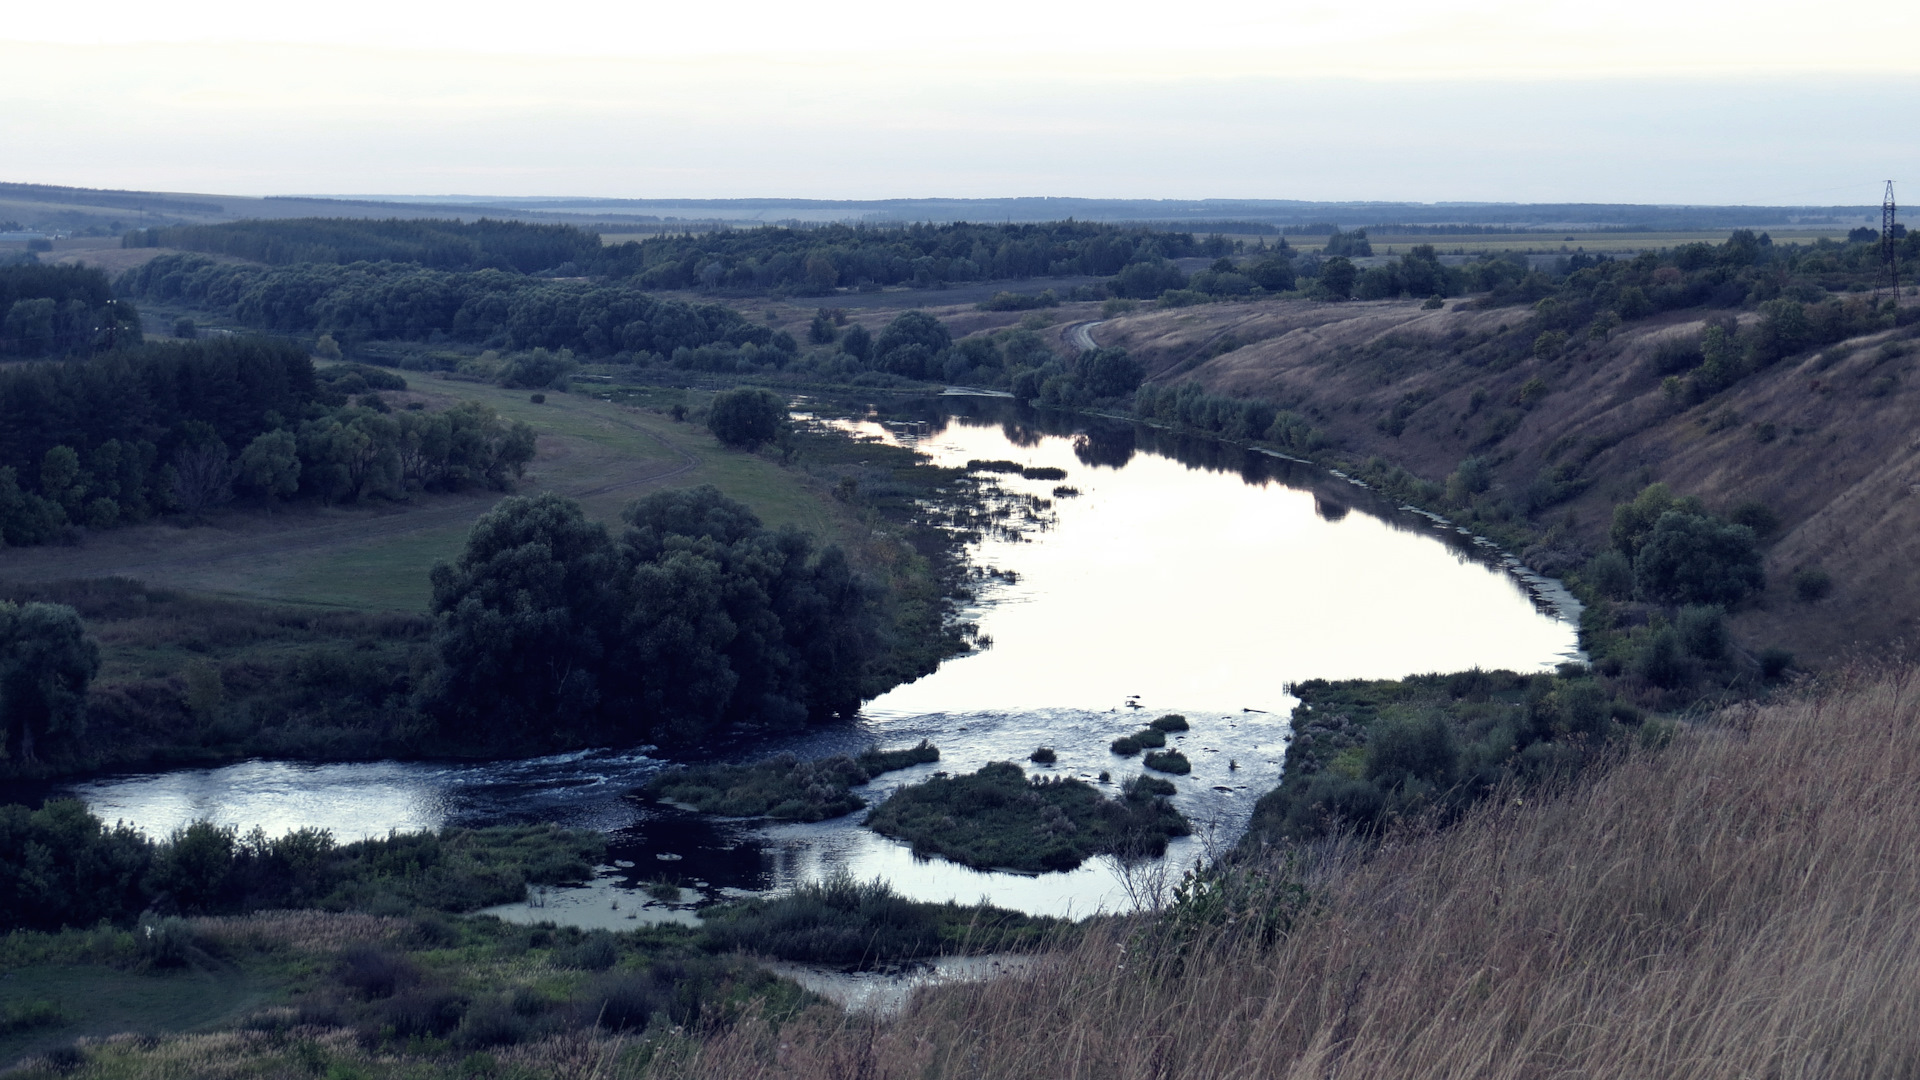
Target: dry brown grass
x=1742 y=904
x=1839 y=464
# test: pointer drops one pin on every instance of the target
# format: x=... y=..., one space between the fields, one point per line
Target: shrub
x=1169 y=761
x=1610 y=574
x=747 y=416
x=843 y=921
x=1703 y=631
x=1661 y=658
x=1170 y=722
x=1147 y=787
x=598 y=951
x=430 y=1012
x=623 y=1002
x=538 y=399
x=1043 y=756
x=490 y=1024
x=1757 y=516
x=1811 y=583
x=785 y=787
x=375 y=972
x=1416 y=749
x=1775 y=662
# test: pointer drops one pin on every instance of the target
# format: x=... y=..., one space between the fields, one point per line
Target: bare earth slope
x=1828 y=440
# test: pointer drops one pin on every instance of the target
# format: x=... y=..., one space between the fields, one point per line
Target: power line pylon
x=1889 y=250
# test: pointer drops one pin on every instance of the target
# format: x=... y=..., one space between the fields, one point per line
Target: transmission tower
x=1889 y=250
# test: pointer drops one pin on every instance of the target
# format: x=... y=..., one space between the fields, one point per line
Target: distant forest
x=439 y=245
x=815 y=261
x=183 y=427
x=399 y=301
x=797 y=261
x=61 y=311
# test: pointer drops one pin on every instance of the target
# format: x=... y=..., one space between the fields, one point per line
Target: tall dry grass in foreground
x=1745 y=903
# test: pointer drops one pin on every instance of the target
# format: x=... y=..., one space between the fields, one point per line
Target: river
x=1185 y=576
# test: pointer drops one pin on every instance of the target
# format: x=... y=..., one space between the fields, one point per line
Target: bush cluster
x=1366 y=753
x=62 y=866
x=997 y=818
x=785 y=787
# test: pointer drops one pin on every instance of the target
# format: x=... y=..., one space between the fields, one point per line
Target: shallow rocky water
x=1186 y=576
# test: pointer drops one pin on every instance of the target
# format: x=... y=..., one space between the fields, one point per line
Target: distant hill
x=68 y=209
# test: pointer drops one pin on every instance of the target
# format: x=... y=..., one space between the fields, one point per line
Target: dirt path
x=1080 y=335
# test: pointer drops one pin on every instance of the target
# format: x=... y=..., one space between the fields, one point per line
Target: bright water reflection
x=1200 y=578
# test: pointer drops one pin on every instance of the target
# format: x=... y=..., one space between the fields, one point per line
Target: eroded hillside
x=1827 y=438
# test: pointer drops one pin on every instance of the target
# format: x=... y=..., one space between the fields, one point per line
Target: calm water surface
x=1186 y=576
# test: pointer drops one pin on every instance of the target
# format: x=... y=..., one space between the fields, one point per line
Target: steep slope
x=1827 y=440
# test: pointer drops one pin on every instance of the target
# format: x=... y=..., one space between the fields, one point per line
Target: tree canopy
x=697 y=618
x=434 y=243
x=61 y=311
x=747 y=416
x=46 y=663
x=398 y=301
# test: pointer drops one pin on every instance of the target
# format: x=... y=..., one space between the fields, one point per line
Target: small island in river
x=999 y=819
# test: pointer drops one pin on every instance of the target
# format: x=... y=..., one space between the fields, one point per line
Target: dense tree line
x=62 y=866
x=815 y=261
x=1187 y=405
x=554 y=632
x=61 y=311
x=396 y=301
x=183 y=426
x=436 y=244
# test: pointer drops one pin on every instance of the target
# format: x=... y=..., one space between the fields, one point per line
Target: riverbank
x=191 y=678
x=1406 y=397
x=1537 y=933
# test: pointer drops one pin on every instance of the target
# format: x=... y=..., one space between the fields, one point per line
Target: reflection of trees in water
x=1020 y=434
x=1109 y=446
x=1101 y=442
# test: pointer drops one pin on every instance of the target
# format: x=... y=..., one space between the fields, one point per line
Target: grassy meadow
x=376 y=557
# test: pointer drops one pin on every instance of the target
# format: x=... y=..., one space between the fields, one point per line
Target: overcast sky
x=1633 y=101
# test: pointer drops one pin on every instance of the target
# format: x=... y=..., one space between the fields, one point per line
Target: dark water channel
x=1186 y=576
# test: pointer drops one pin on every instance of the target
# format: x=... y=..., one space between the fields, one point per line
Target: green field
x=377 y=556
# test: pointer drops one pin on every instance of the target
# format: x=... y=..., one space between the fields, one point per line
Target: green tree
x=62 y=480
x=1108 y=372
x=46 y=663
x=858 y=342
x=910 y=345
x=747 y=416
x=270 y=465
x=1703 y=630
x=1337 y=276
x=523 y=620
x=1611 y=574
x=1633 y=522
x=1695 y=559
x=821 y=330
